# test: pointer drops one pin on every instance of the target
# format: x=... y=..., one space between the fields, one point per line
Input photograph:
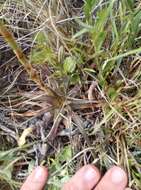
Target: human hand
x=87 y=178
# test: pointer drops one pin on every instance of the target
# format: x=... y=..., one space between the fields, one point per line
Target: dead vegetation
x=75 y=99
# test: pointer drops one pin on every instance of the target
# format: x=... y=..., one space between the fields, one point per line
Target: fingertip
x=115 y=178
x=37 y=179
x=85 y=178
x=40 y=173
x=118 y=175
x=90 y=172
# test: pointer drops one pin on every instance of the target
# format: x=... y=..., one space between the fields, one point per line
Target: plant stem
x=24 y=61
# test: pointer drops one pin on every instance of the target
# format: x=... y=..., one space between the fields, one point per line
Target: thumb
x=36 y=180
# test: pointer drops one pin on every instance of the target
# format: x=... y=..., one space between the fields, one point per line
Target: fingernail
x=118 y=175
x=38 y=173
x=90 y=174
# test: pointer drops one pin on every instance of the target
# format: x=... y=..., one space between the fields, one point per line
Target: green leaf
x=6 y=155
x=41 y=55
x=135 y=28
x=66 y=154
x=98 y=41
x=80 y=33
x=31 y=166
x=89 y=70
x=40 y=38
x=88 y=7
x=131 y=52
x=112 y=93
x=69 y=64
x=74 y=79
x=98 y=34
x=130 y=3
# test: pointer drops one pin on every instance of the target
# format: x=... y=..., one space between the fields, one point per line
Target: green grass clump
x=89 y=54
